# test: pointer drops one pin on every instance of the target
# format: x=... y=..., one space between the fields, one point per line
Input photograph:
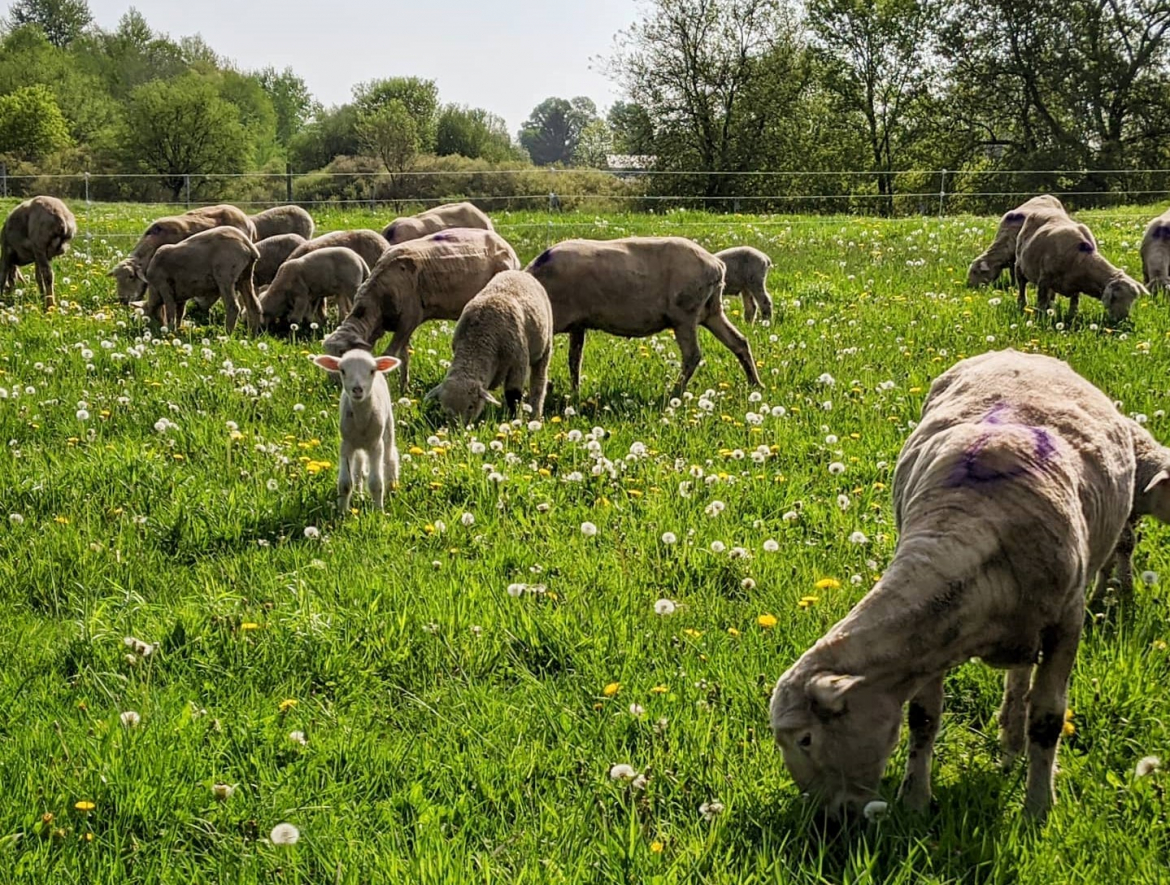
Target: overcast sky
x=503 y=55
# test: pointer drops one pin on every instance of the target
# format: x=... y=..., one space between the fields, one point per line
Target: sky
x=503 y=55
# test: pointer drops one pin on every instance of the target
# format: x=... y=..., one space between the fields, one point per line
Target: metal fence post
x=942 y=191
x=288 y=182
x=187 y=188
x=4 y=180
x=87 y=188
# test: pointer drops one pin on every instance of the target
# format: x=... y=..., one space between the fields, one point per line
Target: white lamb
x=367 y=423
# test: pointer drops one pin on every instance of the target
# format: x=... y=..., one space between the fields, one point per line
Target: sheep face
x=342 y=340
x=980 y=273
x=464 y=401
x=836 y=735
x=1119 y=296
x=1155 y=497
x=358 y=371
x=128 y=277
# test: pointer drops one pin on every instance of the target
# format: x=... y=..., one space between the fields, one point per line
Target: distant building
x=630 y=163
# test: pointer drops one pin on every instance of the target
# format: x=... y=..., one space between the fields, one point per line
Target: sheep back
x=283 y=220
x=1155 y=253
x=41 y=225
x=274 y=251
x=449 y=215
x=1001 y=254
x=746 y=269
x=369 y=244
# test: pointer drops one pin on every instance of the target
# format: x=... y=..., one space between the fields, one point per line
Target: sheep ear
x=983 y=266
x=139 y=305
x=1160 y=477
x=140 y=273
x=488 y=398
x=433 y=393
x=387 y=363
x=827 y=691
x=327 y=362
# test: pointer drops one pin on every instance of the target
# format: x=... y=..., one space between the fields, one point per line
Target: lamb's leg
x=7 y=271
x=247 y=289
x=1074 y=301
x=576 y=351
x=1013 y=715
x=344 y=305
x=1022 y=284
x=925 y=712
x=764 y=300
x=45 y=280
x=1123 y=556
x=514 y=388
x=344 y=479
x=749 y=306
x=232 y=307
x=180 y=312
x=1047 y=703
x=392 y=464
x=1043 y=298
x=167 y=294
x=538 y=385
x=733 y=340
x=377 y=482
x=687 y=339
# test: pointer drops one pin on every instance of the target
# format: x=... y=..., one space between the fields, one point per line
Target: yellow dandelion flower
x=691 y=632
x=84 y=805
x=62 y=520
x=656 y=847
x=916 y=390
x=806 y=601
x=1160 y=645
x=249 y=625
x=767 y=621
x=731 y=631
x=610 y=690
x=827 y=584
x=659 y=689
x=1069 y=729
x=287 y=704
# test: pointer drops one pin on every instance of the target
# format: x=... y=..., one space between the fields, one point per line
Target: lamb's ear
x=139 y=305
x=1160 y=477
x=983 y=266
x=387 y=363
x=434 y=392
x=488 y=398
x=327 y=362
x=140 y=273
x=827 y=691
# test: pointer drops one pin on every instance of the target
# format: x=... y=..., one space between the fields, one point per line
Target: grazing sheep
x=35 y=232
x=302 y=285
x=428 y=279
x=366 y=243
x=747 y=275
x=986 y=269
x=414 y=227
x=283 y=220
x=635 y=287
x=211 y=264
x=1151 y=498
x=1156 y=253
x=367 y=424
x=168 y=231
x=1061 y=255
x=274 y=251
x=503 y=336
x=1008 y=500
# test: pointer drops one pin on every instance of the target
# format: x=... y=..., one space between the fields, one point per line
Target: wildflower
x=767 y=621
x=222 y=792
x=82 y=415
x=16 y=518
x=843 y=502
x=693 y=633
x=718 y=546
x=144 y=649
x=731 y=631
x=467 y=519
x=249 y=625
x=714 y=508
x=656 y=847
x=836 y=468
x=664 y=607
x=1069 y=729
x=739 y=553
x=287 y=704
x=659 y=689
x=312 y=532
x=516 y=590
x=622 y=772
x=610 y=690
x=284 y=834
x=637 y=710
x=748 y=584
x=875 y=810
x=588 y=529
x=1149 y=577
x=858 y=538
x=298 y=737
x=669 y=538
x=771 y=546
x=543 y=507
x=827 y=380
x=711 y=810
x=84 y=805
x=130 y=719
x=806 y=601
x=1146 y=766
x=790 y=516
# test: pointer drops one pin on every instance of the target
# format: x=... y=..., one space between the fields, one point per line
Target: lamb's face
x=130 y=284
x=836 y=736
x=358 y=371
x=980 y=273
x=1119 y=297
x=463 y=401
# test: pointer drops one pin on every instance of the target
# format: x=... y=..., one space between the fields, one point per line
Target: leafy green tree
x=182 y=127
x=62 y=21
x=391 y=134
x=631 y=128
x=333 y=134
x=129 y=56
x=254 y=107
x=474 y=133
x=31 y=124
x=552 y=130
x=594 y=145
x=419 y=97
x=291 y=100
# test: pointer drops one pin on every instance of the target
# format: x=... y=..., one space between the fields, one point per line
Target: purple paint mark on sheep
x=971 y=473
x=1162 y=232
x=1014 y=217
x=444 y=236
x=1086 y=246
x=995 y=415
x=543 y=258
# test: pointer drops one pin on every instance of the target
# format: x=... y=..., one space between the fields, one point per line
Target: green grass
x=455 y=733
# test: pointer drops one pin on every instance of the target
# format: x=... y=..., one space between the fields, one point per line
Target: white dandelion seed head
x=714 y=508
x=770 y=546
x=637 y=711
x=836 y=468
x=790 y=516
x=718 y=546
x=858 y=538
x=298 y=737
x=748 y=584
x=875 y=810
x=665 y=607
x=1149 y=578
x=639 y=783
x=843 y=502
x=1146 y=766
x=222 y=792
x=284 y=834
x=515 y=590
x=622 y=772
x=467 y=519
x=312 y=532
x=82 y=415
x=711 y=810
x=130 y=719
x=588 y=529
x=739 y=553
x=16 y=518
x=669 y=538
x=543 y=507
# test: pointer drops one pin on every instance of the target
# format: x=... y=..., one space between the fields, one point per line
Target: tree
x=182 y=127
x=255 y=112
x=877 y=73
x=31 y=124
x=594 y=145
x=390 y=134
x=473 y=133
x=419 y=97
x=333 y=134
x=631 y=128
x=63 y=21
x=130 y=56
x=291 y=100
x=552 y=130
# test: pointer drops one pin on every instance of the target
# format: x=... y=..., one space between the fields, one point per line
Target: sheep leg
x=1047 y=703
x=538 y=385
x=231 y=306
x=1013 y=714
x=247 y=291
x=1074 y=301
x=1123 y=556
x=1022 y=284
x=167 y=294
x=344 y=479
x=399 y=348
x=687 y=339
x=344 y=305
x=514 y=389
x=45 y=280
x=733 y=340
x=391 y=462
x=749 y=306
x=180 y=312
x=764 y=300
x=7 y=271
x=377 y=480
x=924 y=716
x=1043 y=298
x=576 y=351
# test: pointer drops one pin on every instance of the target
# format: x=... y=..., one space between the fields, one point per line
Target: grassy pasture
x=373 y=682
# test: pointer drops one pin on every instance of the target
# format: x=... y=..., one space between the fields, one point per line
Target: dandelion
x=669 y=538
x=843 y=502
x=588 y=529
x=771 y=546
x=807 y=601
x=767 y=621
x=858 y=538
x=711 y=810
x=714 y=508
x=790 y=516
x=272 y=485
x=516 y=590
x=130 y=719
x=299 y=407
x=284 y=834
x=639 y=783
x=84 y=806
x=718 y=546
x=836 y=468
x=637 y=711
x=748 y=584
x=875 y=810
x=467 y=519
x=82 y=415
x=222 y=792
x=543 y=507
x=622 y=772
x=665 y=607
x=16 y=518
x=738 y=553
x=1069 y=728
x=1146 y=766
x=287 y=704
x=298 y=737
x=656 y=847
x=610 y=690
x=312 y=532
x=1149 y=578
x=827 y=380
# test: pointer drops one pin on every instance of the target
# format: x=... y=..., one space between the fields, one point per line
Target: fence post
x=942 y=191
x=87 y=188
x=288 y=187
x=187 y=188
x=4 y=180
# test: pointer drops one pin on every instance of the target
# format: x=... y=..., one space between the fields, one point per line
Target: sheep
x=635 y=287
x=747 y=275
x=302 y=284
x=1008 y=500
x=274 y=251
x=367 y=243
x=987 y=267
x=432 y=278
x=168 y=231
x=367 y=424
x=503 y=336
x=214 y=263
x=1061 y=255
x=1156 y=253
x=283 y=220
x=35 y=232
x=1151 y=498
x=414 y=227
